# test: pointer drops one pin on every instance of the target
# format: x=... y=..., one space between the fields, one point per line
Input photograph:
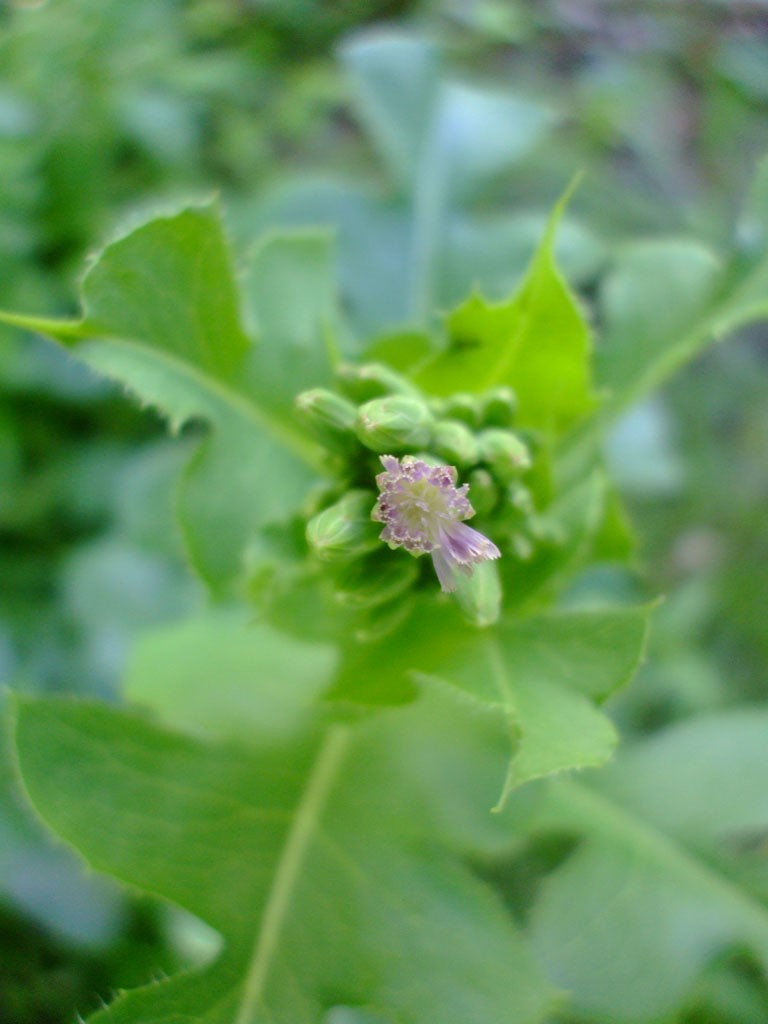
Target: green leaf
x=443 y=142
x=541 y=676
x=537 y=342
x=666 y=300
x=289 y=289
x=222 y=675
x=545 y=673
x=307 y=861
x=395 y=81
x=161 y=316
x=169 y=285
x=746 y=300
x=654 y=295
x=574 y=520
x=665 y=881
x=614 y=540
x=429 y=130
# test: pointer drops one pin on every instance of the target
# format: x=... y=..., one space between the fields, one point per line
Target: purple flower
x=422 y=510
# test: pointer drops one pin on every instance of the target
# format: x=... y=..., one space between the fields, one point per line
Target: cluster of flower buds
x=379 y=419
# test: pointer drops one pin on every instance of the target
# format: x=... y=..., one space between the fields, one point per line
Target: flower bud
x=394 y=423
x=504 y=452
x=479 y=595
x=499 y=407
x=372 y=380
x=371 y=582
x=454 y=442
x=483 y=492
x=330 y=417
x=344 y=530
x=464 y=407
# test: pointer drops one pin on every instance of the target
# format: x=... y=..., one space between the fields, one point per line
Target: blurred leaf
x=480 y=134
x=374 y=278
x=427 y=127
x=652 y=297
x=219 y=674
x=396 y=80
x=537 y=342
x=573 y=520
x=614 y=539
x=753 y=222
x=162 y=305
x=111 y=591
x=746 y=299
x=641 y=453
x=744 y=63
x=443 y=142
x=489 y=253
x=144 y=497
x=289 y=290
x=657 y=890
x=306 y=875
x=662 y=303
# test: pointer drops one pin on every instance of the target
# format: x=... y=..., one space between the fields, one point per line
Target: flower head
x=423 y=511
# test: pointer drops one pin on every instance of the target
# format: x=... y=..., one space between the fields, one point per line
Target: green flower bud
x=393 y=424
x=345 y=530
x=371 y=582
x=372 y=380
x=455 y=443
x=483 y=492
x=499 y=407
x=464 y=407
x=504 y=452
x=479 y=595
x=330 y=417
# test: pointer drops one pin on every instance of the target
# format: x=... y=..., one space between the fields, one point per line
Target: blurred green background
x=111 y=109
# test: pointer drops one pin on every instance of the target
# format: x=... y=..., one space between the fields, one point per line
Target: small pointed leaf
x=537 y=342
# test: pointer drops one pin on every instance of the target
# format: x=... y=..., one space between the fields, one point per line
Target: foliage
x=306 y=758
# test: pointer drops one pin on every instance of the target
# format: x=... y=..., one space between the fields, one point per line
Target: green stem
x=305 y=822
x=428 y=201
x=45 y=325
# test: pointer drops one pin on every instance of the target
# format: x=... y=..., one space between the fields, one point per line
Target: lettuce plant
x=329 y=763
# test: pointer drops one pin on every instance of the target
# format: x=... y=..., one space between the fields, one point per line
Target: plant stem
x=307 y=816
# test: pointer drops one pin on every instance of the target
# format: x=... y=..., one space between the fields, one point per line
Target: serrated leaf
x=542 y=676
x=161 y=315
x=537 y=342
x=662 y=885
x=307 y=862
x=545 y=674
